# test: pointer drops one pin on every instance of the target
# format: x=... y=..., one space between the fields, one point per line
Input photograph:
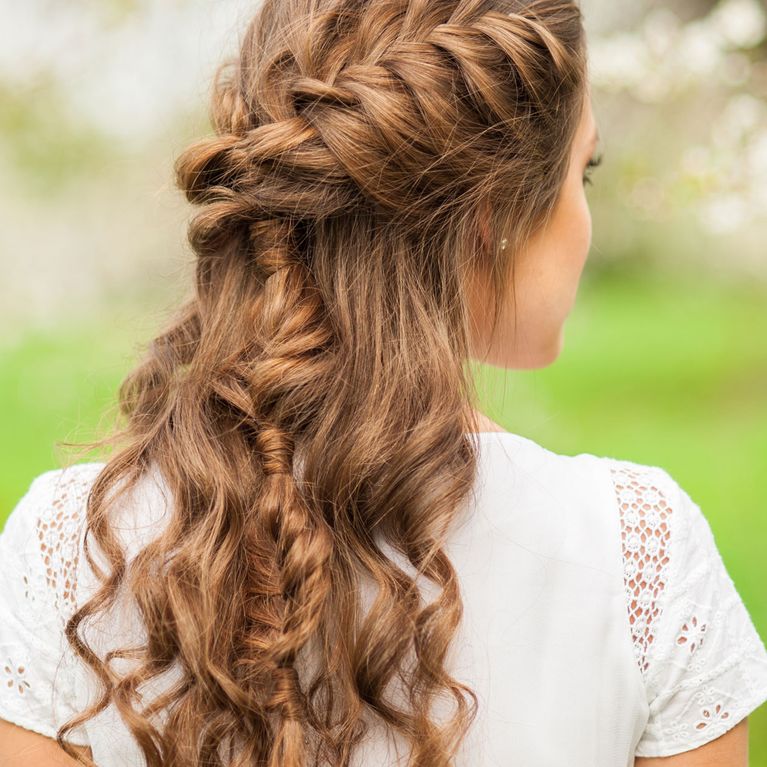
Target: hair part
x=310 y=405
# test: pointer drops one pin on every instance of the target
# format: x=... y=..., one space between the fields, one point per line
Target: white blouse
x=600 y=622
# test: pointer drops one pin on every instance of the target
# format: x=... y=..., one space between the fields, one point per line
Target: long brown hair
x=312 y=400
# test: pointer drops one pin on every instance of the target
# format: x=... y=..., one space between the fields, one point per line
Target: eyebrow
x=595 y=138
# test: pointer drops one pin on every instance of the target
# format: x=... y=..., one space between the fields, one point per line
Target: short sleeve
x=702 y=660
x=39 y=547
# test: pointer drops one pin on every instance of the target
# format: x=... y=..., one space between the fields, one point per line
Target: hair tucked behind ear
x=311 y=401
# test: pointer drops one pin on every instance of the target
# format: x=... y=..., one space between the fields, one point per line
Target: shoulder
x=40 y=541
x=39 y=555
x=593 y=477
x=636 y=515
x=68 y=482
x=602 y=480
x=701 y=659
x=703 y=663
x=664 y=532
x=46 y=526
x=623 y=485
x=54 y=499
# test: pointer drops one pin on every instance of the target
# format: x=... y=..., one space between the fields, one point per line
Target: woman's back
x=599 y=620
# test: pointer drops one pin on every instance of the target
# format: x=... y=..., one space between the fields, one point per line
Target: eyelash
x=592 y=163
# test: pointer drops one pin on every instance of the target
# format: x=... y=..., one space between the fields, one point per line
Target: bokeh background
x=665 y=360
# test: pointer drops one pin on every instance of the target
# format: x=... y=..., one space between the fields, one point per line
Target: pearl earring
x=504 y=241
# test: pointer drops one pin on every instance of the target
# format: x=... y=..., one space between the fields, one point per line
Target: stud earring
x=504 y=242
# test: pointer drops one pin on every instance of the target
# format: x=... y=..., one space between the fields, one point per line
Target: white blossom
x=742 y=23
x=619 y=61
x=723 y=213
x=698 y=52
x=742 y=114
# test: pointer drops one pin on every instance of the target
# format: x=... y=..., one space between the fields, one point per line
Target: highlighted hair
x=311 y=400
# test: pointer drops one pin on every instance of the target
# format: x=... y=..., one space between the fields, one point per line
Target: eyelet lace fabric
x=39 y=556
x=702 y=661
x=645 y=544
x=58 y=535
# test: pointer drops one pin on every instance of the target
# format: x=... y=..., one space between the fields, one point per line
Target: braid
x=303 y=551
x=311 y=155
x=303 y=544
x=267 y=387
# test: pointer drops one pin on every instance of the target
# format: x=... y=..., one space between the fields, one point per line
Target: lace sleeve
x=703 y=663
x=39 y=552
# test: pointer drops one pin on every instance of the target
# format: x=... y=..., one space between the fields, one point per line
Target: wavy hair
x=310 y=403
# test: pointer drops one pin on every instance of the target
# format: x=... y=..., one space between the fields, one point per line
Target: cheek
x=581 y=230
x=587 y=224
x=587 y=215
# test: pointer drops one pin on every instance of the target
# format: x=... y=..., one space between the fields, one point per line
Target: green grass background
x=668 y=370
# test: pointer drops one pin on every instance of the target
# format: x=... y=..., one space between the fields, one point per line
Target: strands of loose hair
x=310 y=401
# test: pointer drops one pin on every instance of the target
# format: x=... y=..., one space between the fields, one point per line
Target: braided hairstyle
x=310 y=403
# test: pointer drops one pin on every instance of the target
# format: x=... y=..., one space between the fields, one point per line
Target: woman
x=319 y=551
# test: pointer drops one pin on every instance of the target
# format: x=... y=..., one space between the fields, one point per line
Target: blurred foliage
x=46 y=149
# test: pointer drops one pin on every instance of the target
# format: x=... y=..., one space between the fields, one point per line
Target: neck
x=485 y=424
